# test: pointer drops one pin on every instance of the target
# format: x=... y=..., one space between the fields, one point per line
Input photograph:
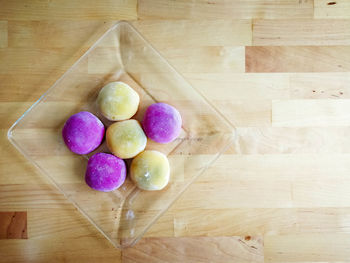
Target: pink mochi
x=162 y=123
x=105 y=172
x=83 y=132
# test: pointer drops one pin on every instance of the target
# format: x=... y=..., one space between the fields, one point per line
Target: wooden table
x=280 y=71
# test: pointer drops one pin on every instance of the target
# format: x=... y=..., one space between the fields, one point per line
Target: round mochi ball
x=162 y=123
x=105 y=172
x=83 y=132
x=118 y=101
x=150 y=170
x=126 y=139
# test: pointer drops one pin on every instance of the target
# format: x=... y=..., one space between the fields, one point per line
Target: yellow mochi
x=126 y=139
x=150 y=170
x=118 y=101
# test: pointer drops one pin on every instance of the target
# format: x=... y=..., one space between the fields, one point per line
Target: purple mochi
x=83 y=132
x=162 y=123
x=105 y=172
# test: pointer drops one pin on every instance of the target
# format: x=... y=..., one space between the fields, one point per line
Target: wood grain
x=335 y=85
x=207 y=59
x=42 y=10
x=37 y=61
x=241 y=86
x=31 y=196
x=54 y=34
x=270 y=167
x=3 y=34
x=195 y=33
x=13 y=225
x=310 y=113
x=307 y=247
x=241 y=9
x=272 y=194
x=88 y=246
x=246 y=113
x=311 y=32
x=331 y=9
x=297 y=59
x=286 y=140
x=230 y=87
x=27 y=87
x=261 y=222
x=217 y=249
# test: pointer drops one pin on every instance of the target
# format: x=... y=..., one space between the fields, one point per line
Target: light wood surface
x=280 y=72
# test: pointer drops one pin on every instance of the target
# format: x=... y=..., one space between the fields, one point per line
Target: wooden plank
x=241 y=9
x=297 y=59
x=62 y=222
x=206 y=59
x=10 y=112
x=261 y=221
x=196 y=33
x=246 y=113
x=274 y=192
x=231 y=86
x=308 y=32
x=268 y=194
x=199 y=249
x=13 y=225
x=291 y=167
x=15 y=166
x=241 y=86
x=245 y=98
x=331 y=9
x=307 y=248
x=36 y=195
x=27 y=87
x=37 y=61
x=65 y=9
x=55 y=34
x=89 y=247
x=38 y=121
x=325 y=193
x=3 y=34
x=286 y=140
x=219 y=195
x=186 y=60
x=310 y=113
x=333 y=85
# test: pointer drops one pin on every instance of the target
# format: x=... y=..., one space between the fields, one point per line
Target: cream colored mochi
x=118 y=101
x=126 y=139
x=150 y=170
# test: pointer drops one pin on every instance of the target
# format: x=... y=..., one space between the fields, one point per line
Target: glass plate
x=121 y=54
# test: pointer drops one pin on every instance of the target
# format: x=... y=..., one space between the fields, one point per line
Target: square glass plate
x=121 y=54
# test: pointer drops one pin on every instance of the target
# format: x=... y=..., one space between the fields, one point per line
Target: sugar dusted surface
x=83 y=132
x=105 y=172
x=162 y=123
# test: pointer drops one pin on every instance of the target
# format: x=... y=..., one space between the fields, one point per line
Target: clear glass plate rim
x=230 y=140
